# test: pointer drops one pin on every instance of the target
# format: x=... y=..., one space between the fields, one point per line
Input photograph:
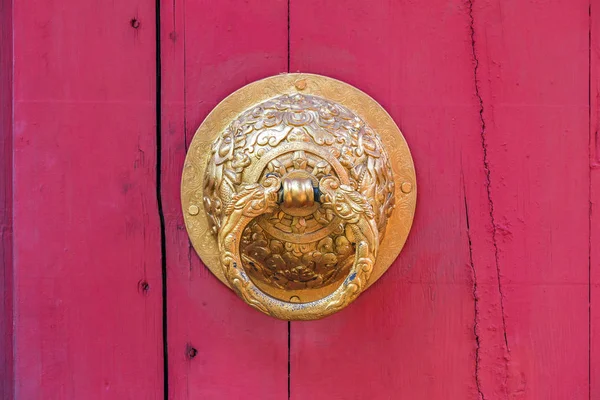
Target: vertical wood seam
x=161 y=215
x=288 y=36
x=594 y=151
x=592 y=157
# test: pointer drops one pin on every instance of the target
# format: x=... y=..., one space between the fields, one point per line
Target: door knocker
x=298 y=192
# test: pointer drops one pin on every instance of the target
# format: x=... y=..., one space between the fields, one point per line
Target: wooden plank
x=87 y=281
x=412 y=335
x=494 y=108
x=533 y=84
x=219 y=348
x=594 y=249
x=6 y=264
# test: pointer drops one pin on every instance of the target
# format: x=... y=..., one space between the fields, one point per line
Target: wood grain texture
x=490 y=297
x=533 y=86
x=218 y=347
x=496 y=295
x=6 y=243
x=87 y=274
x=411 y=335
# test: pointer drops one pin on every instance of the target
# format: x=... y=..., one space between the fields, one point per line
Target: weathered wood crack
x=475 y=299
x=486 y=168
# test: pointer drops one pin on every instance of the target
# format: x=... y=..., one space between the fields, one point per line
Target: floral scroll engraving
x=333 y=242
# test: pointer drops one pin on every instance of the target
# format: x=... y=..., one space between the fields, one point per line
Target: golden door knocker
x=298 y=192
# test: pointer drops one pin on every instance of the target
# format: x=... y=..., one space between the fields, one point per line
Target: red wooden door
x=495 y=295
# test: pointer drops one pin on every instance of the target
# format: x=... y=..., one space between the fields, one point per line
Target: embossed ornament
x=297 y=191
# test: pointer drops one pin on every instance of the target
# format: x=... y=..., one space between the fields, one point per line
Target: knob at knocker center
x=298 y=191
x=298 y=194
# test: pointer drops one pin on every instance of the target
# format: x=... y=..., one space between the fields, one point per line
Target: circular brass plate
x=399 y=224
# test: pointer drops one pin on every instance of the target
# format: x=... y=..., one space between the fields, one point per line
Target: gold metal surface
x=288 y=189
x=298 y=195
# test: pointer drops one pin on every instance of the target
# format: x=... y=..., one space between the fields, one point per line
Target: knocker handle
x=254 y=200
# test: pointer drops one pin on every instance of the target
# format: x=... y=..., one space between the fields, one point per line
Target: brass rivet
x=406 y=187
x=301 y=84
x=295 y=299
x=193 y=209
